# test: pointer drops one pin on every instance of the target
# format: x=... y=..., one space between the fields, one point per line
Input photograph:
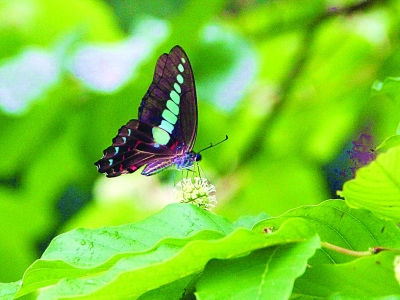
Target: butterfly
x=165 y=131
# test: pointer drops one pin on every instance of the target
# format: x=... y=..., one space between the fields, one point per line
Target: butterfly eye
x=198 y=157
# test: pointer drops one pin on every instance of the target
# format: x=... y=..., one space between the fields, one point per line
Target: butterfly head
x=197 y=156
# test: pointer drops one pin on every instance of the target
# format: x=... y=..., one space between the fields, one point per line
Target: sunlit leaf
x=377 y=186
x=173 y=244
x=391 y=141
x=364 y=278
x=338 y=224
x=264 y=274
x=8 y=290
x=390 y=86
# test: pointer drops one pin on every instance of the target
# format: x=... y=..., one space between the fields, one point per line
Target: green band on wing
x=169 y=116
x=175 y=97
x=160 y=136
x=179 y=78
x=173 y=107
x=166 y=126
x=177 y=88
x=180 y=68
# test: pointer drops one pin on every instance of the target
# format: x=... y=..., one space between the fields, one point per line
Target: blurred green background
x=288 y=81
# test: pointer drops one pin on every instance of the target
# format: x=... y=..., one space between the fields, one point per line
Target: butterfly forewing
x=166 y=130
x=172 y=93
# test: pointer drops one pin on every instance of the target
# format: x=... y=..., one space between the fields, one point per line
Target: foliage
x=204 y=253
x=289 y=83
x=376 y=186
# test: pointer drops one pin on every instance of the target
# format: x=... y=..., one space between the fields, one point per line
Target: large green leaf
x=174 y=244
x=184 y=248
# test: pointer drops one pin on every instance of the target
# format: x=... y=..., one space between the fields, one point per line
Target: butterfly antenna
x=211 y=145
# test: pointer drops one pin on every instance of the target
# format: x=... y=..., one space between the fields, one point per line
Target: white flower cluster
x=198 y=191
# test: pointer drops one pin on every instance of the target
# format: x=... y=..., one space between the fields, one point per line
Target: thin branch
x=299 y=64
x=346 y=251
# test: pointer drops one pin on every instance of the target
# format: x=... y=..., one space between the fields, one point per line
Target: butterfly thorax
x=186 y=160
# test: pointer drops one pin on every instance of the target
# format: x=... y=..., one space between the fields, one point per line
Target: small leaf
x=268 y=273
x=390 y=86
x=8 y=290
x=391 y=141
x=376 y=186
x=364 y=278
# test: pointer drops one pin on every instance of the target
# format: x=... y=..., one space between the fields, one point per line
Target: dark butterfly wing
x=170 y=103
x=132 y=148
x=167 y=124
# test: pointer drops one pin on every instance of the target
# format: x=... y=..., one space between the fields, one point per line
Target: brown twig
x=371 y=251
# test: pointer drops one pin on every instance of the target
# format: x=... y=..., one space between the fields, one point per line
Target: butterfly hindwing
x=132 y=148
x=166 y=130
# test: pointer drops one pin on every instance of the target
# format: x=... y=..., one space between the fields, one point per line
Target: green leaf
x=8 y=290
x=77 y=250
x=391 y=141
x=338 y=224
x=390 y=86
x=174 y=244
x=250 y=221
x=376 y=186
x=268 y=273
x=173 y=290
x=45 y=20
x=363 y=278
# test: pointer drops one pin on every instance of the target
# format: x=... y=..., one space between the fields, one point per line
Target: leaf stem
x=371 y=251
